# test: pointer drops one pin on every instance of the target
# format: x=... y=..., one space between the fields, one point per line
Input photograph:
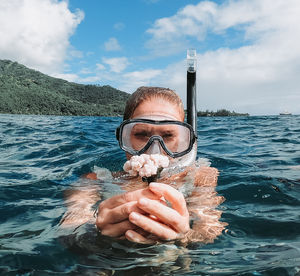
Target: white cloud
x=112 y=45
x=119 y=26
x=90 y=79
x=75 y=54
x=171 y=34
x=100 y=66
x=130 y=81
x=260 y=75
x=85 y=71
x=66 y=76
x=117 y=65
x=89 y=53
x=36 y=32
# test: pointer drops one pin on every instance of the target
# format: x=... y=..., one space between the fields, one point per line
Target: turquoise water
x=42 y=156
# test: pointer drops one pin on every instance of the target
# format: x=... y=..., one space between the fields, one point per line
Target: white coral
x=145 y=164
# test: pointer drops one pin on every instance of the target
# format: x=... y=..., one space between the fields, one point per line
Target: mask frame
x=119 y=132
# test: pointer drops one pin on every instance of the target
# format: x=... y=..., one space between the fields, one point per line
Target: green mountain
x=26 y=91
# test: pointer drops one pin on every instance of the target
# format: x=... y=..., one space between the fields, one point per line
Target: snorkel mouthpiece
x=152 y=178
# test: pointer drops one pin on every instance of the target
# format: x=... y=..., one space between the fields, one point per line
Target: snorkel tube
x=191 y=89
x=191 y=104
x=189 y=159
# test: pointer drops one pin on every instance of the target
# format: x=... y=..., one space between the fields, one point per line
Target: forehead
x=158 y=107
x=158 y=128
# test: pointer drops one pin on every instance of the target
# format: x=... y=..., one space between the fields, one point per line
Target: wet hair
x=146 y=93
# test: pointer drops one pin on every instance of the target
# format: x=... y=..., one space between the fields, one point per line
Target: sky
x=248 y=51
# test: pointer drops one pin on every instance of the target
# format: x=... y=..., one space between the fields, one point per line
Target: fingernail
x=143 y=201
x=155 y=187
x=129 y=234
x=154 y=184
x=135 y=216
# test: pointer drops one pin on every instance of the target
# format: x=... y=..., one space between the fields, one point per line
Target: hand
x=113 y=213
x=165 y=223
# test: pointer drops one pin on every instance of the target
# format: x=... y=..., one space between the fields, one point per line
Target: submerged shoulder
x=91 y=175
x=206 y=176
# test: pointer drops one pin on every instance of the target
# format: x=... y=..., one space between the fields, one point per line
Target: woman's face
x=156 y=107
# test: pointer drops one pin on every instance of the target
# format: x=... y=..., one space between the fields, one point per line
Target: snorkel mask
x=155 y=134
x=163 y=135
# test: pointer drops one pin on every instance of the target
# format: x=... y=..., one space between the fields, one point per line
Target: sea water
x=43 y=156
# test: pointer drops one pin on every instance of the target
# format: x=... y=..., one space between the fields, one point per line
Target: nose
x=155 y=148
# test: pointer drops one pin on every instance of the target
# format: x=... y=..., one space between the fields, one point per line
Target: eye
x=168 y=136
x=140 y=134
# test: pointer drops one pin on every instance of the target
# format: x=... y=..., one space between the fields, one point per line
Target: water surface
x=42 y=156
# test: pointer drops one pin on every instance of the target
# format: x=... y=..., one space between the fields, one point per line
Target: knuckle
x=105 y=232
x=101 y=205
x=125 y=210
x=178 y=224
x=101 y=219
x=101 y=208
x=127 y=196
x=164 y=235
x=185 y=228
x=99 y=222
x=181 y=197
x=181 y=225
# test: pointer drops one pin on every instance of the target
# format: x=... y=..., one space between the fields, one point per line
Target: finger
x=156 y=228
x=165 y=214
x=133 y=236
x=175 y=197
x=127 y=197
x=141 y=232
x=118 y=229
x=118 y=214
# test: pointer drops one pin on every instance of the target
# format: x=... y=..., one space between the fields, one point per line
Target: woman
x=154 y=123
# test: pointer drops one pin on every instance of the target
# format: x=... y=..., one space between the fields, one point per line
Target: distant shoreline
x=220 y=113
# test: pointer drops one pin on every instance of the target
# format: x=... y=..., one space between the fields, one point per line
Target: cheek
x=138 y=144
x=173 y=145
